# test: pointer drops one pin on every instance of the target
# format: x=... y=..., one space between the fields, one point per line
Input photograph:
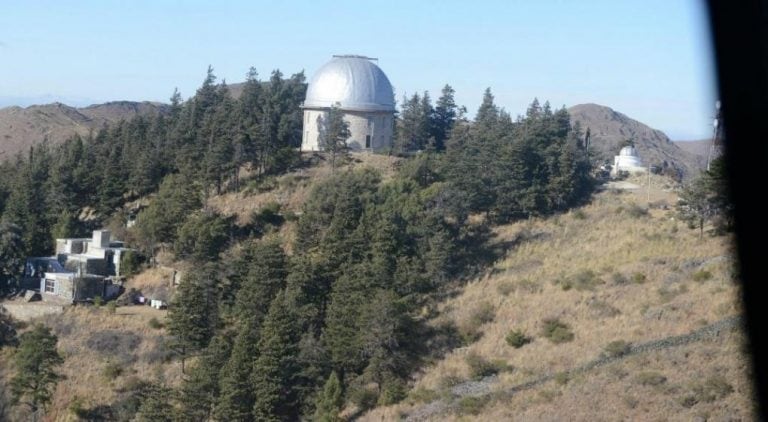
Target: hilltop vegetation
x=318 y=287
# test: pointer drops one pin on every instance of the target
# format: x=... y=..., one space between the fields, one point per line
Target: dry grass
x=642 y=289
x=292 y=189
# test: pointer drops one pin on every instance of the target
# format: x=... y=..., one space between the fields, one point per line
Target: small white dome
x=354 y=82
x=628 y=151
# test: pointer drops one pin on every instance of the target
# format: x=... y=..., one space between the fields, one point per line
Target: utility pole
x=649 y=183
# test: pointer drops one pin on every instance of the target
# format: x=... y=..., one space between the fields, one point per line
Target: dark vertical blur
x=740 y=34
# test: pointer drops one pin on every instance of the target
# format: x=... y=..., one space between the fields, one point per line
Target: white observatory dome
x=354 y=82
x=628 y=151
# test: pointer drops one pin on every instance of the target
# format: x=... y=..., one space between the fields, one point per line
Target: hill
x=627 y=315
x=610 y=128
x=21 y=128
x=698 y=149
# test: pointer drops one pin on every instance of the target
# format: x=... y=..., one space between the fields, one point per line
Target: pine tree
x=236 y=398
x=445 y=116
x=276 y=370
x=200 y=390
x=35 y=362
x=330 y=400
x=156 y=405
x=333 y=134
x=193 y=316
x=11 y=254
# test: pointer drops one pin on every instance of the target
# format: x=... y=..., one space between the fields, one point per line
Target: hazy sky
x=649 y=59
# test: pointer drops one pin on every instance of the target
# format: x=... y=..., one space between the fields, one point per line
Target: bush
x=130 y=263
x=638 y=278
x=702 y=275
x=112 y=307
x=579 y=215
x=650 y=378
x=617 y=348
x=422 y=395
x=393 y=391
x=562 y=378
x=469 y=334
x=712 y=389
x=556 y=331
x=472 y=405
x=98 y=301
x=583 y=280
x=505 y=288
x=619 y=278
x=363 y=397
x=112 y=370
x=267 y=218
x=482 y=314
x=479 y=367
x=517 y=339
x=156 y=324
x=636 y=211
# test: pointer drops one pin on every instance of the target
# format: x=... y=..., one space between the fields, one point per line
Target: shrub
x=635 y=211
x=112 y=370
x=479 y=367
x=112 y=307
x=617 y=348
x=638 y=278
x=562 y=378
x=393 y=391
x=98 y=301
x=422 y=395
x=583 y=280
x=556 y=331
x=579 y=215
x=130 y=263
x=267 y=218
x=517 y=339
x=363 y=397
x=712 y=389
x=505 y=288
x=469 y=334
x=482 y=314
x=702 y=275
x=619 y=278
x=650 y=378
x=472 y=405
x=155 y=323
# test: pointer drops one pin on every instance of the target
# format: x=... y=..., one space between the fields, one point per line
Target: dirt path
x=485 y=386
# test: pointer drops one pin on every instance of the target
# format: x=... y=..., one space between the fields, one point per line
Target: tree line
x=267 y=335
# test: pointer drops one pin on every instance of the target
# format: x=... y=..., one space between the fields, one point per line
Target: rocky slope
x=609 y=129
x=21 y=128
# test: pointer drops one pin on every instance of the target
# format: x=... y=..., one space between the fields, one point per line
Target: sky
x=649 y=59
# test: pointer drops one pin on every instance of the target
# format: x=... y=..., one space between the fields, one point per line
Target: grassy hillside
x=613 y=275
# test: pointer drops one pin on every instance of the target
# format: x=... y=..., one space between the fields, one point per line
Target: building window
x=50 y=286
x=367 y=141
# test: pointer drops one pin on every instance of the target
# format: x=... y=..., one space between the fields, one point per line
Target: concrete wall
x=378 y=125
x=28 y=311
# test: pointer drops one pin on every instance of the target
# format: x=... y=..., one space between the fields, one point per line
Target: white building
x=628 y=160
x=362 y=91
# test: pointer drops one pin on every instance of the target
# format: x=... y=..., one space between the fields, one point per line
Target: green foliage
x=556 y=331
x=650 y=378
x=267 y=218
x=517 y=339
x=706 y=199
x=479 y=367
x=638 y=278
x=617 y=348
x=11 y=254
x=330 y=401
x=200 y=389
x=112 y=370
x=582 y=280
x=276 y=368
x=130 y=263
x=193 y=314
x=482 y=314
x=702 y=275
x=202 y=236
x=711 y=389
x=473 y=405
x=154 y=323
x=333 y=133
x=156 y=405
x=35 y=362
x=7 y=330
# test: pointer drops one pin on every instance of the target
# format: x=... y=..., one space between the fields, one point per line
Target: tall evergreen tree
x=276 y=370
x=445 y=116
x=330 y=400
x=35 y=361
x=333 y=135
x=200 y=390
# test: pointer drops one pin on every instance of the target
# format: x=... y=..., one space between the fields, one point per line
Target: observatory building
x=360 y=89
x=628 y=160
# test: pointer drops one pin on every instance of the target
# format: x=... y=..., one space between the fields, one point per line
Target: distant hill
x=21 y=128
x=698 y=149
x=610 y=128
